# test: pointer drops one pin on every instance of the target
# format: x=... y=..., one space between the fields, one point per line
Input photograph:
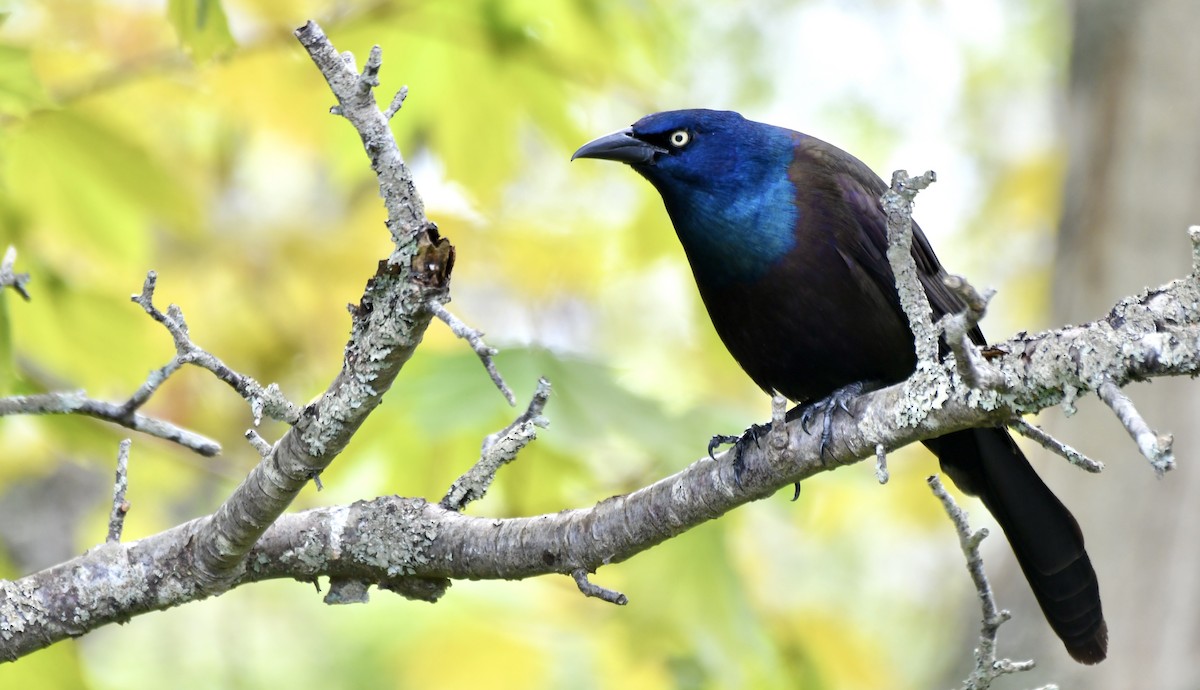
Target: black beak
x=620 y=146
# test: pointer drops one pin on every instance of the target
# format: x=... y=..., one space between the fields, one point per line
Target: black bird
x=787 y=241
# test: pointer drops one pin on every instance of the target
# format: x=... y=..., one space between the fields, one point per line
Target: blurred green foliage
x=194 y=139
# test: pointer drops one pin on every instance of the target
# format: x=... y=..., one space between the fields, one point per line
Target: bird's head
x=709 y=158
x=724 y=180
x=677 y=146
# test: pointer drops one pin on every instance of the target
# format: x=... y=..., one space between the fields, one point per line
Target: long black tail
x=1043 y=534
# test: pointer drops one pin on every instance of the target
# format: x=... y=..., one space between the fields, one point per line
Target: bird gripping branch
x=787 y=241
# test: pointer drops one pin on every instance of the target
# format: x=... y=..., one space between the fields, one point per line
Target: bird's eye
x=680 y=138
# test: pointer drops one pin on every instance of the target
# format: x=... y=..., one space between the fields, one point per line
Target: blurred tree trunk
x=1132 y=126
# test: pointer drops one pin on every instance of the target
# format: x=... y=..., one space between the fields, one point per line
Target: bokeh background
x=193 y=137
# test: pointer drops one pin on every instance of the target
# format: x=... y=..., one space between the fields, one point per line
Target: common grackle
x=787 y=241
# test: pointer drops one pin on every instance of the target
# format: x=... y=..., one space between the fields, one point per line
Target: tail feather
x=1044 y=536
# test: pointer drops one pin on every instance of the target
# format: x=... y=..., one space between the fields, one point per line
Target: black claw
x=797 y=494
x=827 y=431
x=720 y=440
x=754 y=434
x=837 y=400
x=739 y=465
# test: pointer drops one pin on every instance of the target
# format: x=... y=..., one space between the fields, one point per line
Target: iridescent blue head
x=724 y=181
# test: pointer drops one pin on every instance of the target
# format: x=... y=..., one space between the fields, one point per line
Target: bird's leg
x=740 y=443
x=839 y=399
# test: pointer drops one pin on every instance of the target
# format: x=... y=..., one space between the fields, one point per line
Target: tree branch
x=987 y=666
x=386 y=328
x=395 y=540
x=414 y=548
x=77 y=402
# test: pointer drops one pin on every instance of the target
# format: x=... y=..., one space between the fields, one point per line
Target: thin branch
x=987 y=666
x=1053 y=445
x=269 y=401
x=532 y=413
x=897 y=204
x=475 y=339
x=592 y=590
x=8 y=278
x=258 y=443
x=881 y=468
x=116 y=519
x=971 y=365
x=77 y=402
x=386 y=327
x=498 y=450
x=378 y=539
x=397 y=103
x=1155 y=447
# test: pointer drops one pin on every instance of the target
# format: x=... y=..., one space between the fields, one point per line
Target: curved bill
x=620 y=146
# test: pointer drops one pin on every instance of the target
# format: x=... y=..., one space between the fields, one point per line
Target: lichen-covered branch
x=120 y=507
x=498 y=450
x=897 y=204
x=413 y=547
x=987 y=666
x=387 y=325
x=268 y=400
x=77 y=402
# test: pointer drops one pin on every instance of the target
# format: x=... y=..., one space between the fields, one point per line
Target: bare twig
x=475 y=339
x=269 y=401
x=881 y=468
x=1052 y=444
x=897 y=204
x=987 y=666
x=498 y=450
x=77 y=402
x=8 y=278
x=397 y=103
x=593 y=590
x=260 y=444
x=777 y=437
x=532 y=413
x=1155 y=447
x=116 y=519
x=386 y=327
x=968 y=359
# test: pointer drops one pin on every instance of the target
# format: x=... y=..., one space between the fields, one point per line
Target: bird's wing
x=861 y=189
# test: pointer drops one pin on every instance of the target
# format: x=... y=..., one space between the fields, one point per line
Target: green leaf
x=202 y=27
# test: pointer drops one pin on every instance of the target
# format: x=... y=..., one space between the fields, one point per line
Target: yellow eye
x=680 y=138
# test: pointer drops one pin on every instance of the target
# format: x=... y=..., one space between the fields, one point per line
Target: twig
x=397 y=103
x=267 y=401
x=897 y=204
x=258 y=443
x=475 y=339
x=77 y=402
x=8 y=278
x=971 y=365
x=498 y=450
x=116 y=519
x=592 y=590
x=1155 y=447
x=881 y=468
x=987 y=666
x=1052 y=444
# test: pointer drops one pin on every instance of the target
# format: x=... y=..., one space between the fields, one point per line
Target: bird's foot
x=740 y=443
x=827 y=406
